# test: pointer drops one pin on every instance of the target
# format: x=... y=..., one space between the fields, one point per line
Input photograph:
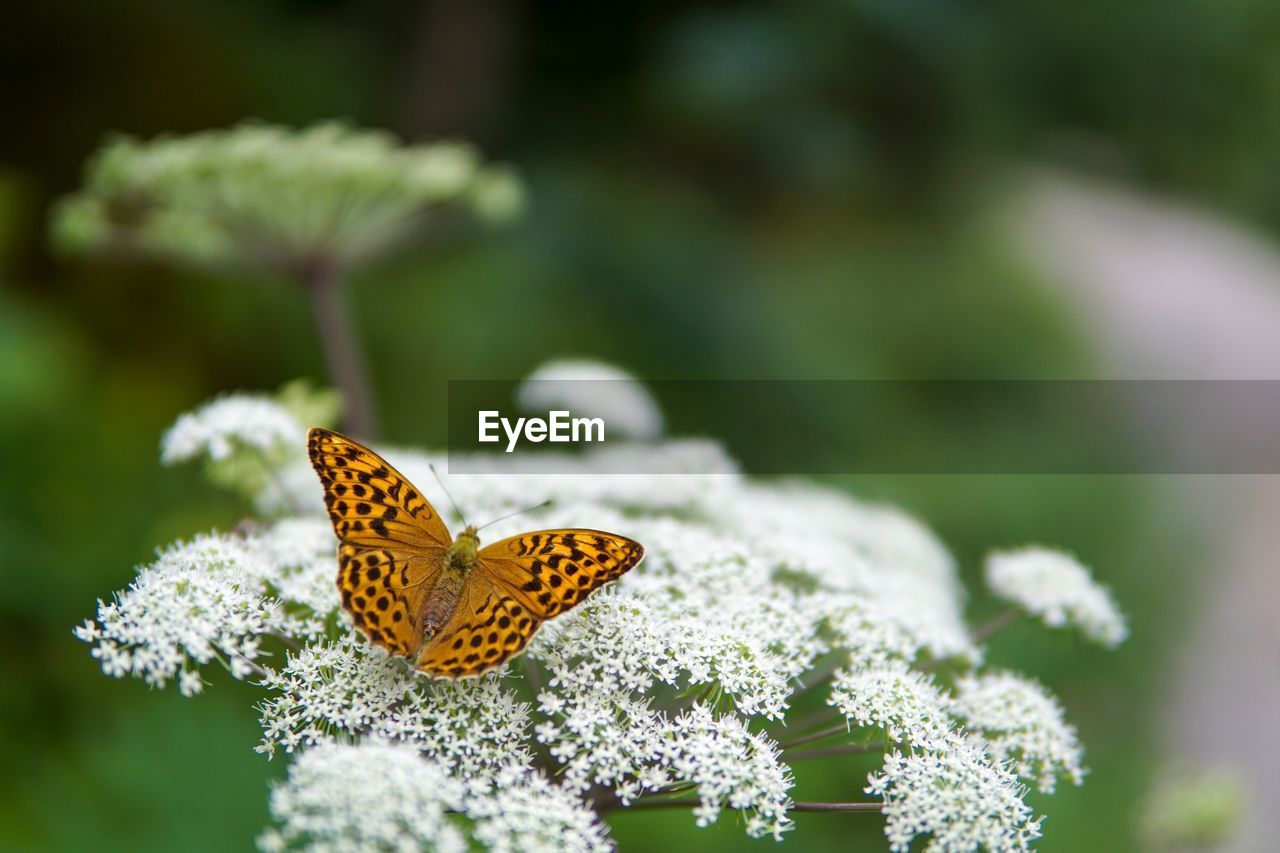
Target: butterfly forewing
x=391 y=541
x=369 y=502
x=550 y=571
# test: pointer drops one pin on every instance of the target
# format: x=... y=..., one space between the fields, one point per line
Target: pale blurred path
x=1171 y=293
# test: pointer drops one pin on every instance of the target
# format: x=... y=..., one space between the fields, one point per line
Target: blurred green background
x=750 y=190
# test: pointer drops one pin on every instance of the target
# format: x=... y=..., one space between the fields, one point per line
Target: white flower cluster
x=1056 y=587
x=704 y=616
x=729 y=766
x=902 y=595
x=217 y=429
x=200 y=601
x=595 y=390
x=960 y=786
x=255 y=444
x=377 y=795
x=958 y=797
x=298 y=557
x=214 y=599
x=676 y=680
x=345 y=689
x=1022 y=726
x=905 y=703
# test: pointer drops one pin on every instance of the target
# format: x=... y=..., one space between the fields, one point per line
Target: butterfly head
x=461 y=556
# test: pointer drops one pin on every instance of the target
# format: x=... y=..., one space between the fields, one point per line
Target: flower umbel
x=199 y=602
x=959 y=797
x=306 y=205
x=678 y=685
x=1056 y=587
x=1022 y=725
x=906 y=704
x=266 y=197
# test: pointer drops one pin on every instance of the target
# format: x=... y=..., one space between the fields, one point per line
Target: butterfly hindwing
x=550 y=571
x=391 y=541
x=383 y=590
x=488 y=627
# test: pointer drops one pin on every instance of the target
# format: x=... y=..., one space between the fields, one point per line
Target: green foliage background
x=744 y=190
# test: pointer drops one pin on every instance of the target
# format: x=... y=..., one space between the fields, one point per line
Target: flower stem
x=823 y=715
x=342 y=350
x=837 y=807
x=795 y=807
x=532 y=675
x=843 y=728
x=984 y=631
x=830 y=751
x=819 y=677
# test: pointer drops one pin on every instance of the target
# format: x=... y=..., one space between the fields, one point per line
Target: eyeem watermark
x=890 y=427
x=559 y=427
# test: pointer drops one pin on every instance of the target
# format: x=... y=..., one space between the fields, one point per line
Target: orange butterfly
x=458 y=609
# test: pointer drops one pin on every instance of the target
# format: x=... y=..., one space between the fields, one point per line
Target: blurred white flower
x=442 y=170
x=382 y=796
x=190 y=683
x=899 y=572
x=1056 y=587
x=594 y=389
x=672 y=476
x=215 y=430
x=373 y=795
x=261 y=196
x=289 y=488
x=498 y=195
x=1193 y=807
x=1022 y=726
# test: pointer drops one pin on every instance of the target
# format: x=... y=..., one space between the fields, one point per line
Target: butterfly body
x=455 y=608
x=442 y=599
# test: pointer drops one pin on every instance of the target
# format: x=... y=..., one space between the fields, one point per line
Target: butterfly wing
x=549 y=571
x=488 y=627
x=519 y=583
x=391 y=541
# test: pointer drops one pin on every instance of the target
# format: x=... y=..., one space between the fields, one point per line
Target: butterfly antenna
x=513 y=514
x=445 y=488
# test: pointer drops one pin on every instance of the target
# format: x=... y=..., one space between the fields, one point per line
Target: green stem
x=829 y=751
x=795 y=807
x=342 y=350
x=808 y=721
x=984 y=631
x=819 y=677
x=843 y=728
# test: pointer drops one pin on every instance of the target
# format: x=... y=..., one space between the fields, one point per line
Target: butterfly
x=457 y=609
